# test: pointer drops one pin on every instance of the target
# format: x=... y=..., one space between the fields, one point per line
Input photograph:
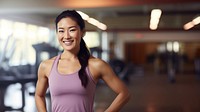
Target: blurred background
x=152 y=45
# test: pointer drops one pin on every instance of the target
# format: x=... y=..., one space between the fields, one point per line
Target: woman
x=72 y=75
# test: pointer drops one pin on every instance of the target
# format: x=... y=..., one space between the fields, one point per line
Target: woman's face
x=69 y=34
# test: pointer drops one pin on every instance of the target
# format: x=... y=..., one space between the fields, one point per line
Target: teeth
x=68 y=43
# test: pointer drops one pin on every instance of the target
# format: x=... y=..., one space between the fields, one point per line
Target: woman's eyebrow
x=60 y=28
x=73 y=27
x=68 y=27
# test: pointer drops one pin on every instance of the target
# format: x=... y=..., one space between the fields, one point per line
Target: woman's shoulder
x=48 y=61
x=99 y=67
x=97 y=63
x=47 y=64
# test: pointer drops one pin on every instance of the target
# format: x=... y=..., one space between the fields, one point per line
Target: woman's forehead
x=67 y=22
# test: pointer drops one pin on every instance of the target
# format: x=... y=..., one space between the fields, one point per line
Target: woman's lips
x=68 y=43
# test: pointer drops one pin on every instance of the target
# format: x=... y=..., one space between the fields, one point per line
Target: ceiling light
x=83 y=15
x=153 y=26
x=156 y=13
x=155 y=18
x=196 y=20
x=188 y=26
x=92 y=21
x=102 y=26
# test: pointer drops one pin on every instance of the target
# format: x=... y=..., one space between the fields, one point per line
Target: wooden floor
x=150 y=93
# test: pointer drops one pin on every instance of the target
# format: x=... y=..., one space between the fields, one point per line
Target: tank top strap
x=55 y=63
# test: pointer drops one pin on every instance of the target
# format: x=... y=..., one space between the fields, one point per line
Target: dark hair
x=84 y=53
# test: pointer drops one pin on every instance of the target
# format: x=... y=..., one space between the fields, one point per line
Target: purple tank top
x=67 y=92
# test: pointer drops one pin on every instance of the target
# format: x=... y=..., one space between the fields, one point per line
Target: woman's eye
x=71 y=30
x=60 y=31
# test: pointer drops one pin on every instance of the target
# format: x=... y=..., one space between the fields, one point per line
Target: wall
x=120 y=38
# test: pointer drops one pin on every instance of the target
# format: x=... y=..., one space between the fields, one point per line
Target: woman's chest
x=70 y=84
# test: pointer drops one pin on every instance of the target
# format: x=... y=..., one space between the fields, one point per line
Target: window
x=16 y=40
x=92 y=39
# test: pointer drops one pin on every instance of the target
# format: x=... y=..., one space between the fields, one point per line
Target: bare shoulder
x=46 y=65
x=96 y=67
x=97 y=63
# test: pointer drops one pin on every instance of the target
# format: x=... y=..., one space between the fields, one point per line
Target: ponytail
x=83 y=57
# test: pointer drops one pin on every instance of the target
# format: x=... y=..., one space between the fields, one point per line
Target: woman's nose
x=67 y=35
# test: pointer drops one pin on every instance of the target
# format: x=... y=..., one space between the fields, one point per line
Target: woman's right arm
x=41 y=88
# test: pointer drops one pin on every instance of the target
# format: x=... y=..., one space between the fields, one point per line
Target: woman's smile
x=68 y=42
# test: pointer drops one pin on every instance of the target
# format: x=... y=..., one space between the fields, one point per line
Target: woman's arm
x=117 y=86
x=41 y=87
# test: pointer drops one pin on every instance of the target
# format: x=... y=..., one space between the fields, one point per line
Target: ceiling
x=116 y=14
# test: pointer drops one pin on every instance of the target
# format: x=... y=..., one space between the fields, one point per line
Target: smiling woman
x=72 y=75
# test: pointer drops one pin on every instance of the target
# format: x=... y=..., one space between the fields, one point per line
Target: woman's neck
x=69 y=55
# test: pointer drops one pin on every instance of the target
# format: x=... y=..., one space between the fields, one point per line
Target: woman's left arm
x=117 y=86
